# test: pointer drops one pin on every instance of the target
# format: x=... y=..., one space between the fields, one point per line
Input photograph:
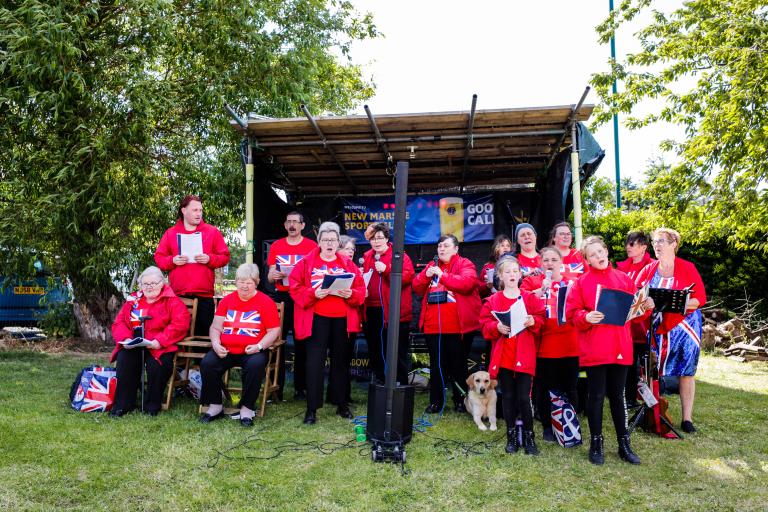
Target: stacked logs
x=733 y=337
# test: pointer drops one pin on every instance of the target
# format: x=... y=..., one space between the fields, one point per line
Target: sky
x=435 y=54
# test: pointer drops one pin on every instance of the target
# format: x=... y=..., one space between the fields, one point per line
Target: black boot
x=512 y=444
x=596 y=455
x=529 y=444
x=625 y=451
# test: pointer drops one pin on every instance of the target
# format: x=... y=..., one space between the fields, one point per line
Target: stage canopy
x=463 y=151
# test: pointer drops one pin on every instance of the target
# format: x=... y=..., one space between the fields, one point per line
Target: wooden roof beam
x=381 y=141
x=470 y=142
x=329 y=148
x=566 y=129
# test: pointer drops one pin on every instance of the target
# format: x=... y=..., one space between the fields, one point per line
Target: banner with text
x=469 y=217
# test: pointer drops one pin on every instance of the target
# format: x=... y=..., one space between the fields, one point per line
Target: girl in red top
x=557 y=361
x=513 y=359
x=502 y=244
x=605 y=350
x=245 y=325
x=449 y=309
x=327 y=317
x=167 y=322
x=527 y=257
x=561 y=237
x=378 y=261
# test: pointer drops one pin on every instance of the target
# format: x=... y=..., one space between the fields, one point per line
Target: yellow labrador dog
x=481 y=399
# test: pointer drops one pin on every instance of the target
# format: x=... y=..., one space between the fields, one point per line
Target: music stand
x=666 y=301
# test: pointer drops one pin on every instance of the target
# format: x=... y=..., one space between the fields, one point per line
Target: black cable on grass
x=454 y=448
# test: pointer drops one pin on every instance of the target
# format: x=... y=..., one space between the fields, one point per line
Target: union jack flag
x=96 y=391
x=242 y=323
x=565 y=423
x=136 y=315
x=435 y=283
x=288 y=260
x=318 y=274
x=573 y=268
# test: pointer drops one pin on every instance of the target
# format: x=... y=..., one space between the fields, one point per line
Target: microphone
x=360 y=261
x=377 y=257
x=435 y=259
x=548 y=276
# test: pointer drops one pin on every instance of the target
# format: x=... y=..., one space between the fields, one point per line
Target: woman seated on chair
x=166 y=322
x=246 y=324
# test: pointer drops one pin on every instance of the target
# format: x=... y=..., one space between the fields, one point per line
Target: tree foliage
x=111 y=111
x=707 y=62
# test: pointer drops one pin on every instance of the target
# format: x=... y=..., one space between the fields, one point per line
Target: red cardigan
x=461 y=279
x=685 y=274
x=406 y=297
x=599 y=343
x=303 y=294
x=517 y=353
x=169 y=323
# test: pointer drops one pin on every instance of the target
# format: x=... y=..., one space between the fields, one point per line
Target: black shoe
x=299 y=395
x=625 y=451
x=529 y=444
x=596 y=455
x=310 y=418
x=117 y=413
x=688 y=427
x=548 y=436
x=207 y=418
x=512 y=442
x=459 y=407
x=344 y=412
x=433 y=409
x=246 y=422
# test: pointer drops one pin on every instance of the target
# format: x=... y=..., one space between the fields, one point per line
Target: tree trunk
x=95 y=317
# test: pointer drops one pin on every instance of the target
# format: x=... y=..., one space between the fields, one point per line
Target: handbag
x=565 y=423
x=94 y=389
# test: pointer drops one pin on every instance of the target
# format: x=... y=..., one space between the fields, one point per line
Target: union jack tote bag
x=565 y=423
x=94 y=389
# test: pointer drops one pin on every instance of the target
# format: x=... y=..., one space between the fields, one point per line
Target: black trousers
x=516 y=397
x=212 y=369
x=376 y=334
x=633 y=373
x=299 y=349
x=602 y=380
x=446 y=362
x=327 y=334
x=556 y=374
x=466 y=347
x=129 y=369
x=204 y=315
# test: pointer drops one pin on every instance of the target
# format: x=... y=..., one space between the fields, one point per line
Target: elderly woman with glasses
x=325 y=318
x=245 y=325
x=678 y=337
x=165 y=322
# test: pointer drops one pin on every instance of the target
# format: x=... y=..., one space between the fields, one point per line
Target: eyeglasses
x=565 y=233
x=660 y=241
x=151 y=285
x=329 y=240
x=378 y=238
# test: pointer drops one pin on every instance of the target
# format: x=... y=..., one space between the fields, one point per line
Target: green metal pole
x=615 y=124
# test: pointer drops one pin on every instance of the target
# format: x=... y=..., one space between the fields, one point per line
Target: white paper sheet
x=190 y=245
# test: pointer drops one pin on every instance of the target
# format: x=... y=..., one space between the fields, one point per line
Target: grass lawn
x=56 y=459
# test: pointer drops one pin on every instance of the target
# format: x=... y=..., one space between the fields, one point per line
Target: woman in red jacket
x=557 y=359
x=450 y=308
x=527 y=257
x=605 y=350
x=378 y=261
x=678 y=337
x=513 y=359
x=167 y=322
x=327 y=317
x=561 y=237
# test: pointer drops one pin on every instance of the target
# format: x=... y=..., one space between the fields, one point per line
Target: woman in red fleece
x=605 y=350
x=561 y=237
x=378 y=261
x=327 y=317
x=450 y=308
x=513 y=359
x=245 y=325
x=502 y=244
x=167 y=322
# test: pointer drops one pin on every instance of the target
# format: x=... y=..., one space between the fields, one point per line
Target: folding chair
x=191 y=351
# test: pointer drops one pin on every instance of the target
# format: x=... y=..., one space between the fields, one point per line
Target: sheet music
x=514 y=317
x=285 y=269
x=190 y=245
x=342 y=282
x=367 y=277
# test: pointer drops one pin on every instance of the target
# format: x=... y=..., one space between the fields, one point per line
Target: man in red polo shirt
x=193 y=276
x=283 y=255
